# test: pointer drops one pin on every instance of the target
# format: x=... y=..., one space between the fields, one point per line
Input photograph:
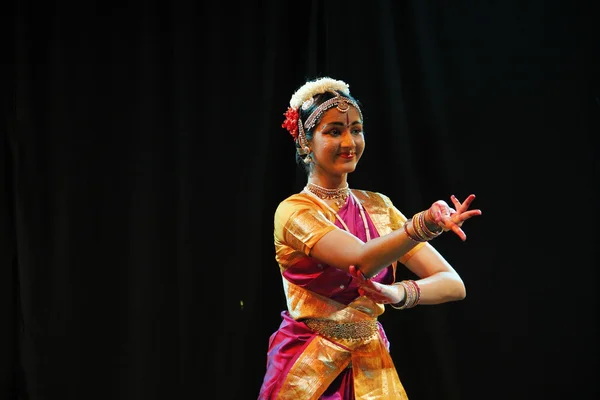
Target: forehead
x=335 y=115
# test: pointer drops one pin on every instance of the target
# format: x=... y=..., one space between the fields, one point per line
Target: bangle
x=400 y=305
x=413 y=237
x=423 y=233
x=412 y=295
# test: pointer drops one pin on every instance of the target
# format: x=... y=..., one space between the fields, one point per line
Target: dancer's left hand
x=449 y=218
x=378 y=292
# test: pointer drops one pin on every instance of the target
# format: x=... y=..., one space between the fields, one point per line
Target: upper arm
x=337 y=248
x=303 y=227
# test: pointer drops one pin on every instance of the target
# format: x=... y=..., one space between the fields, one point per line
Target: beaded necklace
x=339 y=195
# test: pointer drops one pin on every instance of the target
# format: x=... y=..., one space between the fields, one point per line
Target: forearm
x=396 y=244
x=441 y=287
x=341 y=249
x=437 y=280
x=379 y=253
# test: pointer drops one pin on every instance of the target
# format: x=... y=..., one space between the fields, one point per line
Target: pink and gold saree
x=329 y=344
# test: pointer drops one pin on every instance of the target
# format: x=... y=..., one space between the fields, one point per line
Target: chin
x=348 y=169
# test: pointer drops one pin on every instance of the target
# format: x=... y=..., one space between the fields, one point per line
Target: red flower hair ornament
x=303 y=97
x=291 y=122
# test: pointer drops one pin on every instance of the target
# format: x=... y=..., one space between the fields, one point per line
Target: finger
x=455 y=202
x=461 y=234
x=446 y=222
x=356 y=273
x=353 y=271
x=468 y=214
x=467 y=203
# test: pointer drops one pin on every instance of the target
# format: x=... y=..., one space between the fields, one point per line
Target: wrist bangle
x=412 y=295
x=413 y=237
x=400 y=305
x=419 y=226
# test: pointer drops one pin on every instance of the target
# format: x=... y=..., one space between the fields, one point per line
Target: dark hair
x=304 y=114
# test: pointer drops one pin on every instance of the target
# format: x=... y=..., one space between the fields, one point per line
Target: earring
x=307 y=159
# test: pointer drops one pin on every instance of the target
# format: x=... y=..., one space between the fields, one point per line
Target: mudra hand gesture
x=378 y=292
x=448 y=218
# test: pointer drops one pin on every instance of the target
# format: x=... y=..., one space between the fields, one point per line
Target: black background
x=143 y=157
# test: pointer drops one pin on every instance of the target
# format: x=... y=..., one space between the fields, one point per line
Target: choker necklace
x=339 y=195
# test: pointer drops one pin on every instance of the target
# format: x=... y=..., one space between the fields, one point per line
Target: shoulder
x=295 y=202
x=382 y=210
x=375 y=198
x=300 y=221
x=298 y=203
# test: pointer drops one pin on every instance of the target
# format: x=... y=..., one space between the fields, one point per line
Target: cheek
x=329 y=147
x=360 y=146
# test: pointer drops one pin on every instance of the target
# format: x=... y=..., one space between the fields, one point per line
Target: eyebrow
x=337 y=123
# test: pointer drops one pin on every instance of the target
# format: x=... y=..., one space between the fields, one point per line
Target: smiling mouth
x=348 y=155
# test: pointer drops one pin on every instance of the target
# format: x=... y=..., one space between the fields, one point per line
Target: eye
x=356 y=131
x=334 y=132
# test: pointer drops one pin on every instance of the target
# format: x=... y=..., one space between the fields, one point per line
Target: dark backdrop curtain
x=143 y=158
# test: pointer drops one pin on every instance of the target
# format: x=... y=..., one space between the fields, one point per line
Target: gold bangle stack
x=412 y=295
x=420 y=231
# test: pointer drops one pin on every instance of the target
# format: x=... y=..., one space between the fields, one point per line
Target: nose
x=347 y=139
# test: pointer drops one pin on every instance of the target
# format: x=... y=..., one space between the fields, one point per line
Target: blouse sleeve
x=300 y=224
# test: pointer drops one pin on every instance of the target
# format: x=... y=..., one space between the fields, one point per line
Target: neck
x=330 y=183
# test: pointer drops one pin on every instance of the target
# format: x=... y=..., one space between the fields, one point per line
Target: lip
x=347 y=156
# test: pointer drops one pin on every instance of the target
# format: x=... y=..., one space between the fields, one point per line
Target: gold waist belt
x=343 y=330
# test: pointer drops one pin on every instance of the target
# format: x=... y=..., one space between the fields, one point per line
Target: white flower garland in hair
x=318 y=86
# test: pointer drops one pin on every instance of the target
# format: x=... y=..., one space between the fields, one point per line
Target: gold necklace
x=339 y=195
